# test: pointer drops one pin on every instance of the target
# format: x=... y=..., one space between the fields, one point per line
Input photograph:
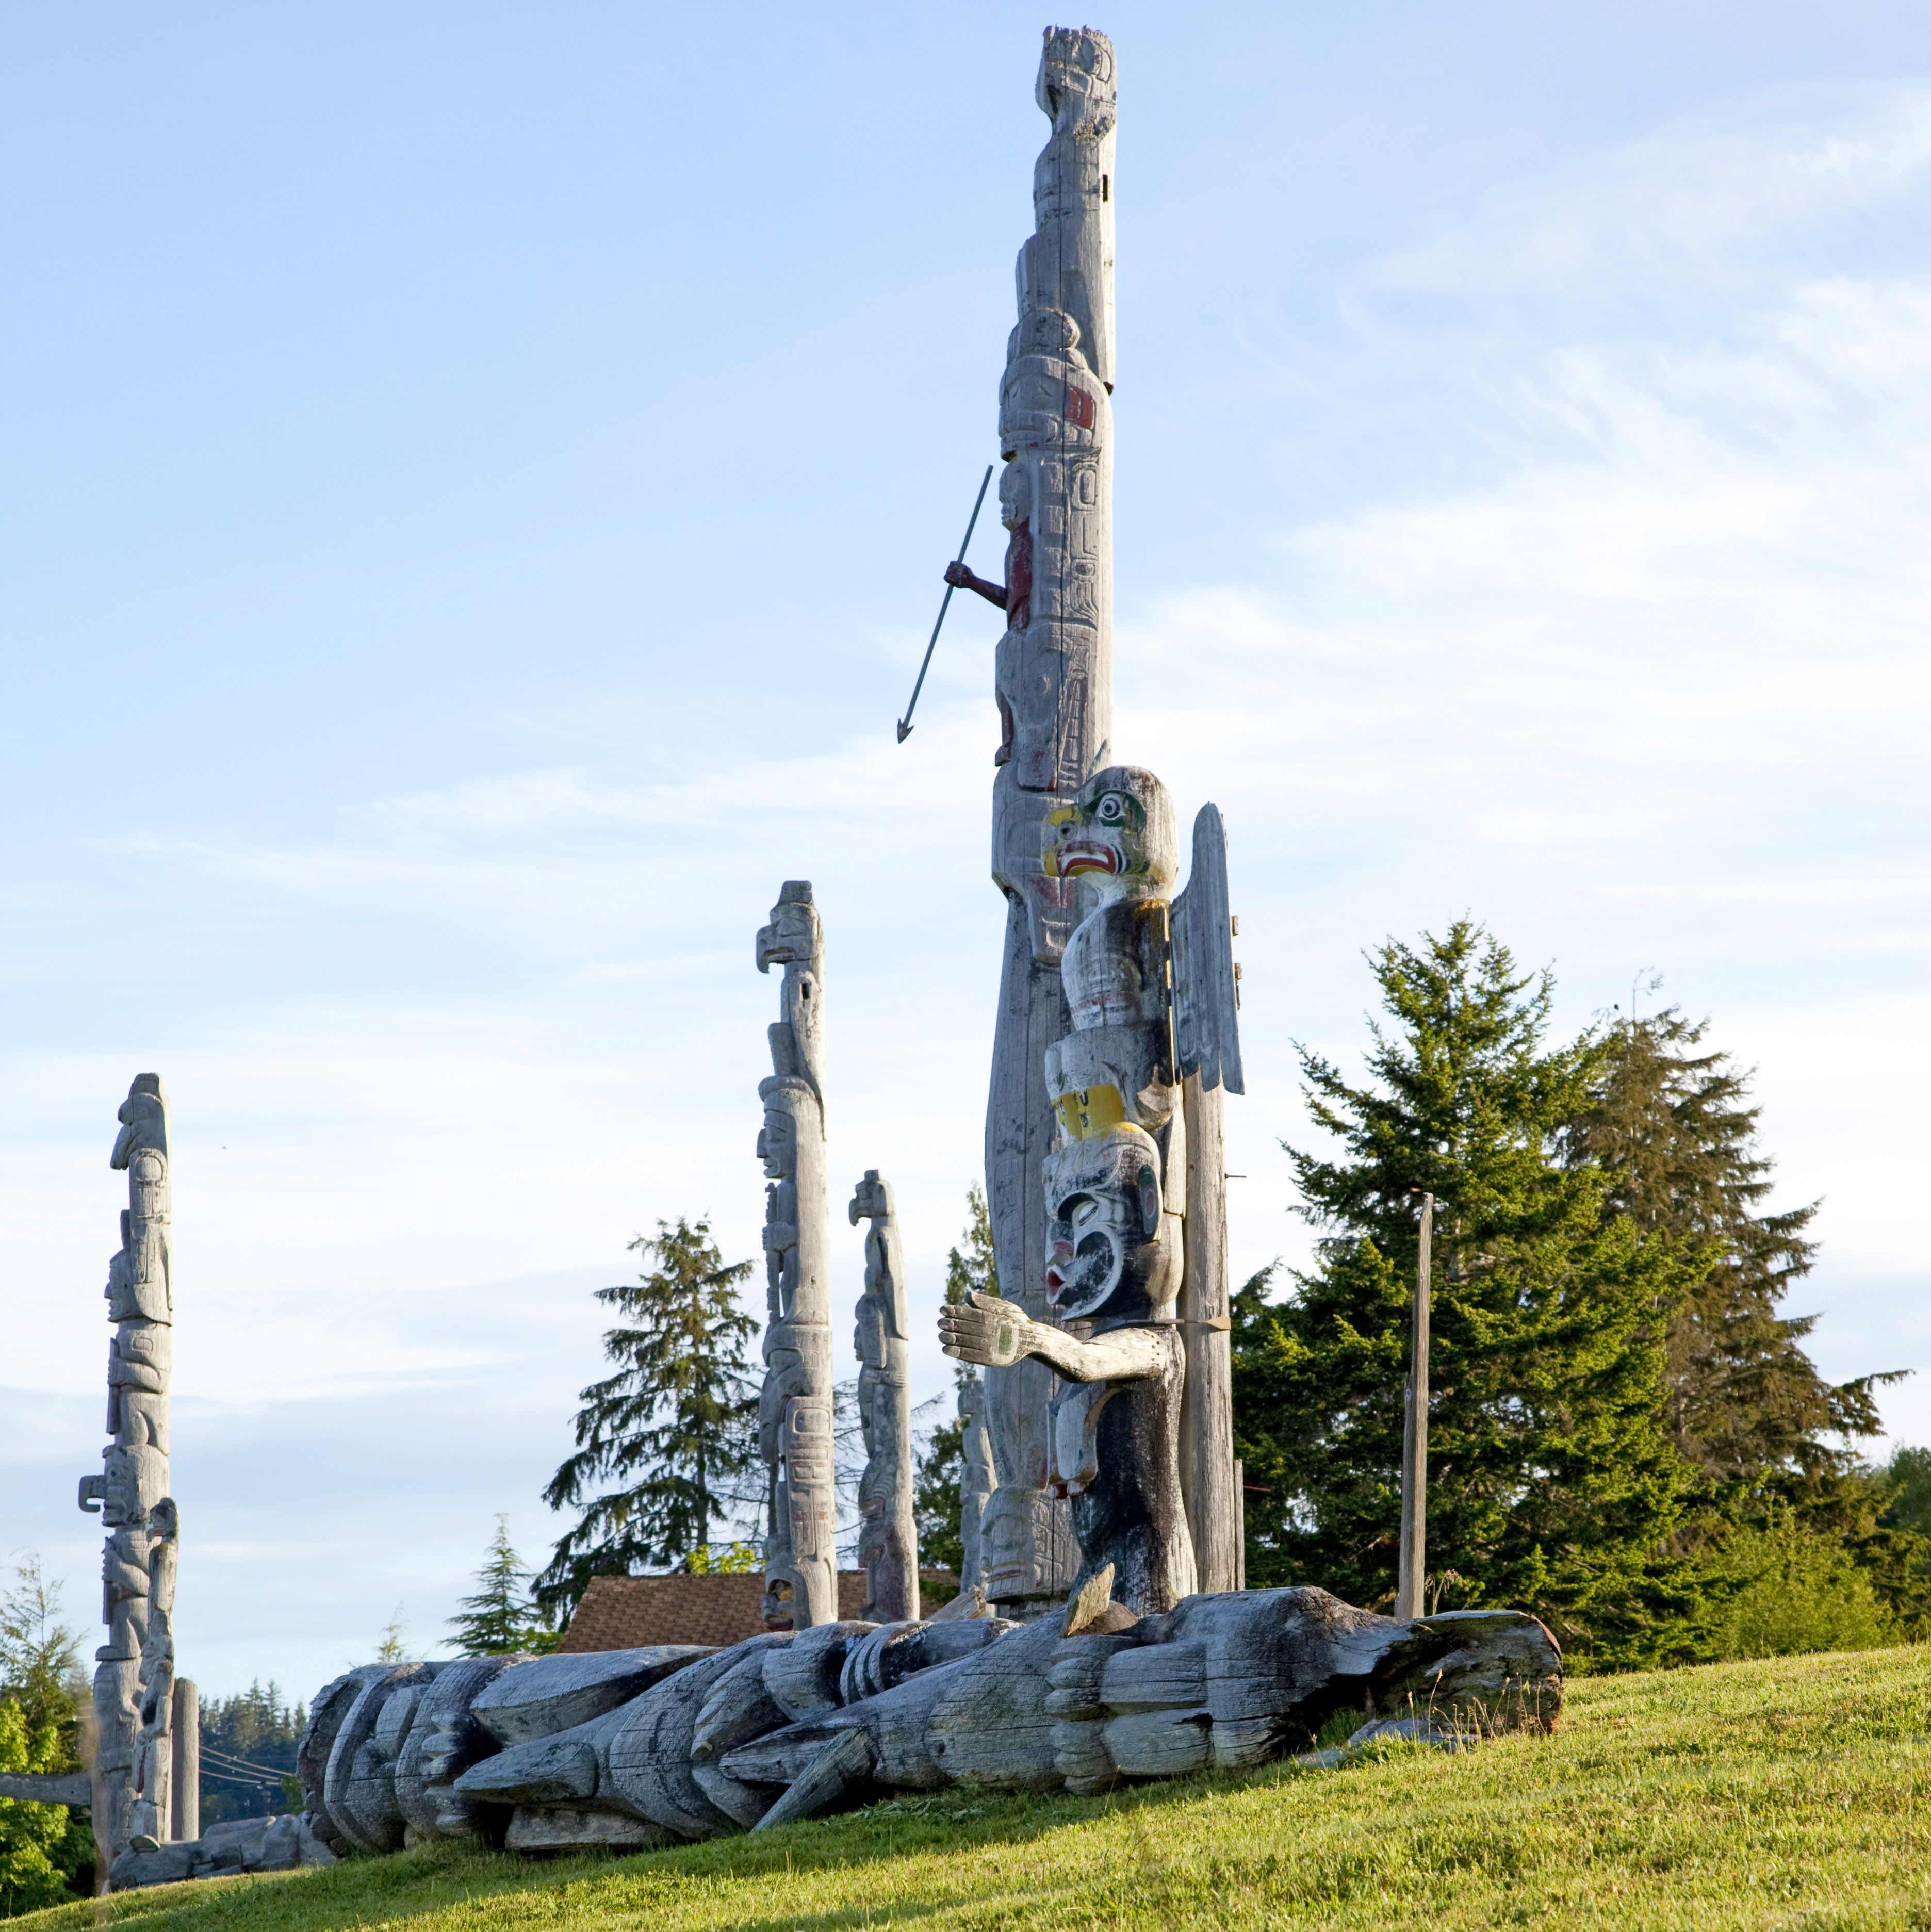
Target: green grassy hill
x=1795 y=1793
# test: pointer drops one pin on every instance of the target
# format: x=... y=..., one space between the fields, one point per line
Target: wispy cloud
x=1692 y=200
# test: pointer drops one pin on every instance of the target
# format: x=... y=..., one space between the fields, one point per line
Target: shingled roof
x=629 y=1613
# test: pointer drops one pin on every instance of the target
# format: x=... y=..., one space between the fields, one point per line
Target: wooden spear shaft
x=945 y=604
x=1415 y=1439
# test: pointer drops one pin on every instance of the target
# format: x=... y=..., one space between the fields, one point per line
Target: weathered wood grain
x=1207 y=1409
x=845 y=1761
x=649 y=1757
x=1412 y=1574
x=1053 y=684
x=888 y=1550
x=444 y=1740
x=133 y=1680
x=559 y=1828
x=543 y=1695
x=795 y=1406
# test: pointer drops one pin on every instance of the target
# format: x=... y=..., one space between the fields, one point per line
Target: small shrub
x=1795 y=1592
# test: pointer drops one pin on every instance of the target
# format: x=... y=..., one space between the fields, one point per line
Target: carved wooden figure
x=1116 y=1185
x=978 y=1479
x=640 y=1748
x=795 y=1406
x=1053 y=681
x=888 y=1549
x=133 y=1483
x=151 y=1815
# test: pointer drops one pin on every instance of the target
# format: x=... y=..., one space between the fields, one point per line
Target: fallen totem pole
x=633 y=1749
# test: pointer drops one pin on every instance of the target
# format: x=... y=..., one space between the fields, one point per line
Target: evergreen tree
x=1552 y=1480
x=936 y=1488
x=499 y=1619
x=46 y=1851
x=39 y=1659
x=973 y=1269
x=937 y=1482
x=1674 y=1130
x=675 y=1424
x=247 y=1754
x=1908 y=1504
x=392 y=1647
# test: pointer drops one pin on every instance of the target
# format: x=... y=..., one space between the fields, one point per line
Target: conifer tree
x=499 y=1617
x=1552 y=1481
x=674 y=1426
x=936 y=1490
x=1673 y=1129
x=46 y=1851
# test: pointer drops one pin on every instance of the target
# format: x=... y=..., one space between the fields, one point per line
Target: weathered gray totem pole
x=1116 y=1184
x=888 y=1548
x=1054 y=683
x=134 y=1684
x=794 y=1408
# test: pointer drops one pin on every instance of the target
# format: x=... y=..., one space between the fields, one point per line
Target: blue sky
x=473 y=482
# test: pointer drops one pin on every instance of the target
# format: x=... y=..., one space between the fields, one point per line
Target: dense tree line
x=247 y=1754
x=1625 y=1434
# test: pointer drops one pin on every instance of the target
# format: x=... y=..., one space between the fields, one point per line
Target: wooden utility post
x=1414 y=1440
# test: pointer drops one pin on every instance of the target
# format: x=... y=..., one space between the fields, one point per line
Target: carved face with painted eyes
x=1119 y=834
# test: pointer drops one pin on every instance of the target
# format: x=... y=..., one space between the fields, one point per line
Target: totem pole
x=794 y=1408
x=888 y=1548
x=133 y=1686
x=1149 y=984
x=1054 y=684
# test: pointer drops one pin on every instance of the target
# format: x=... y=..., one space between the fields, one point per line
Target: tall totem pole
x=888 y=1547
x=1054 y=682
x=800 y=1586
x=133 y=1686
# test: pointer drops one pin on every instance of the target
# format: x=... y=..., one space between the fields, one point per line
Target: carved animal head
x=144 y=1120
x=1119 y=834
x=871 y=1198
x=1075 y=85
x=1109 y=1249
x=793 y=937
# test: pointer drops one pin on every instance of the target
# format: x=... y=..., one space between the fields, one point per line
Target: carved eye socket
x=1111 y=809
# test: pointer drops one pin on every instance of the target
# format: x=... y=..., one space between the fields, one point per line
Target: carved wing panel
x=1207 y=1026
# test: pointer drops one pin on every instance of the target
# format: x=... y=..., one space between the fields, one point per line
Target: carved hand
x=958 y=577
x=984 y=1329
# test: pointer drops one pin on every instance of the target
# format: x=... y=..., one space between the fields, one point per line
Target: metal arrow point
x=905 y=723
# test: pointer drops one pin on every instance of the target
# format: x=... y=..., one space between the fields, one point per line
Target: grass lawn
x=1792 y=1792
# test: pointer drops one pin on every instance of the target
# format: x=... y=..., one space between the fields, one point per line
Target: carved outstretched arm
x=995 y=1333
x=960 y=578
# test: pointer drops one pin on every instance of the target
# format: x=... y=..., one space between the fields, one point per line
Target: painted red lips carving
x=1076 y=855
